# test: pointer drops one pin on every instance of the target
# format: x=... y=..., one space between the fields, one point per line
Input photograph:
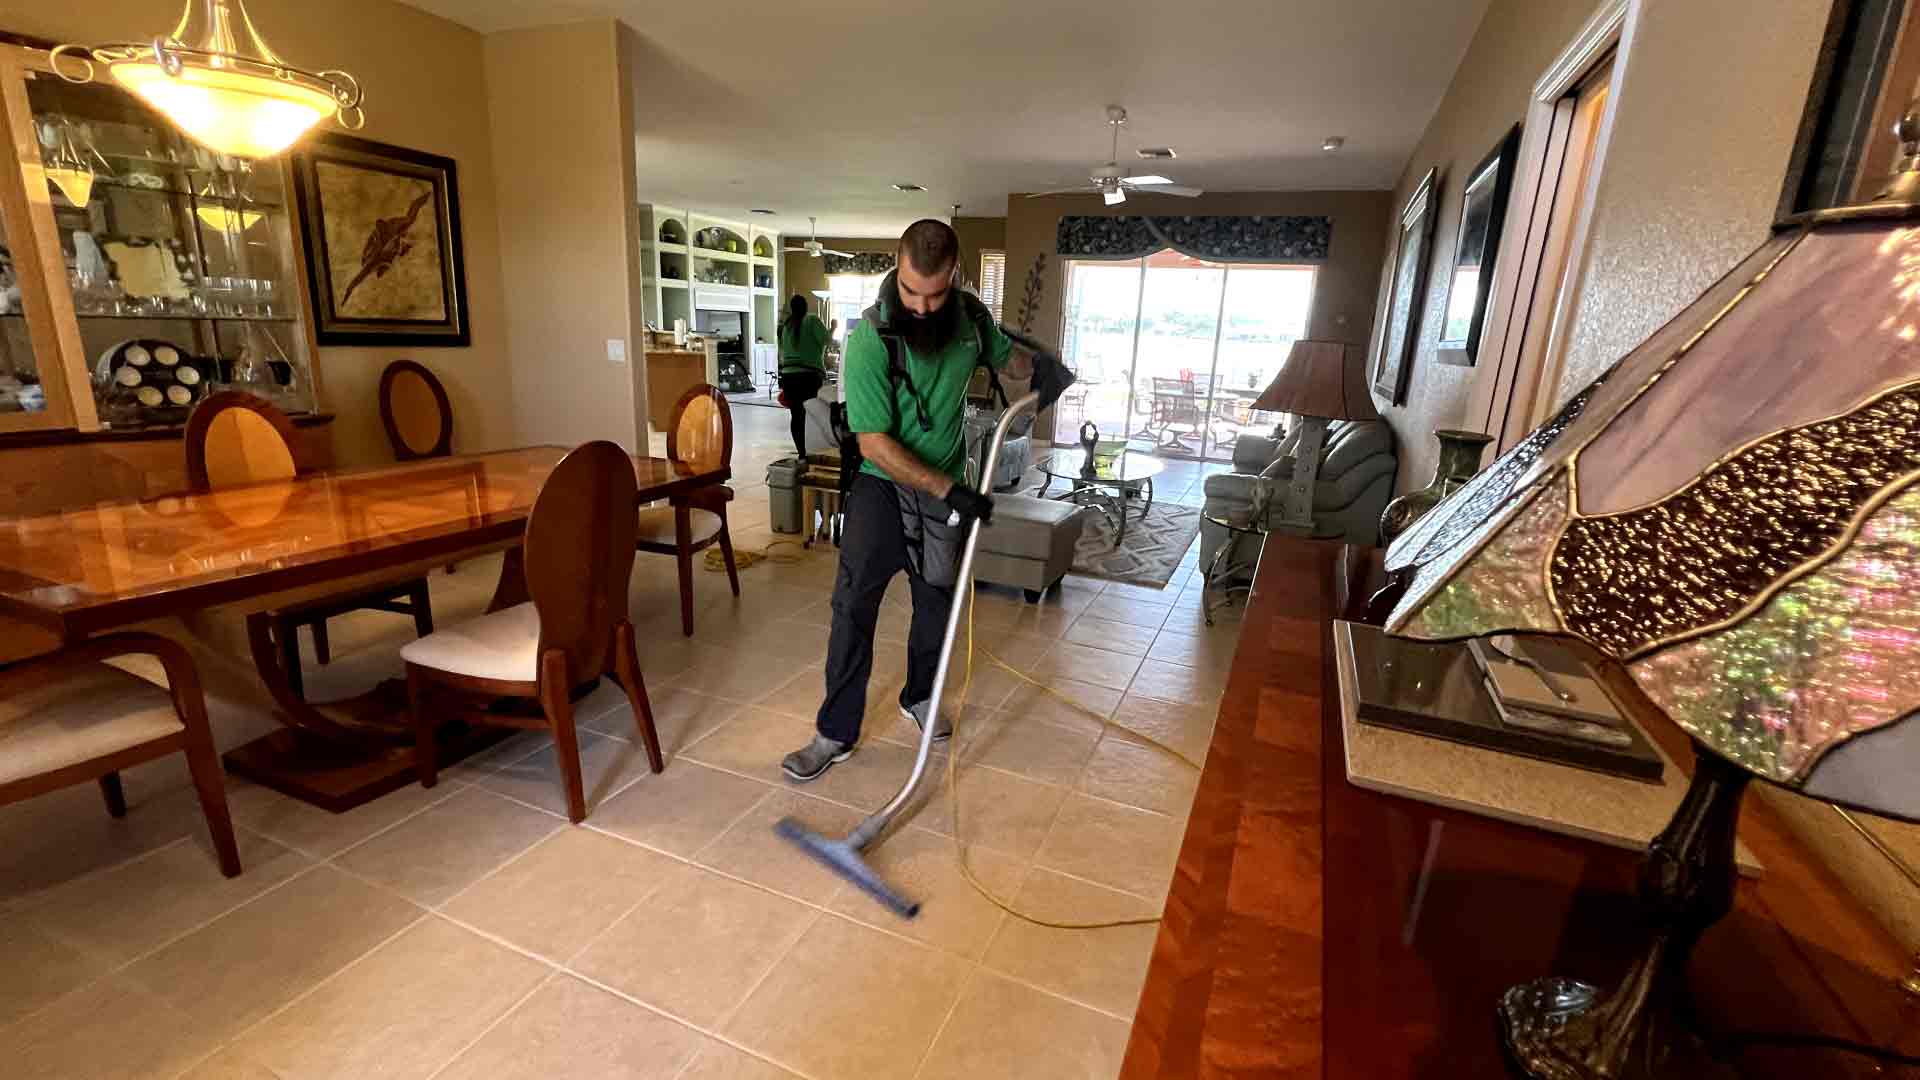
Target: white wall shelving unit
x=675 y=264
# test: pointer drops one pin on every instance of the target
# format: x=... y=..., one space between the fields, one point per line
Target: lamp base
x=1296 y=503
x=1563 y=1029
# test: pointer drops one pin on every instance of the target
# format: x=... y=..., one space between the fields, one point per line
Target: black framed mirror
x=1483 y=214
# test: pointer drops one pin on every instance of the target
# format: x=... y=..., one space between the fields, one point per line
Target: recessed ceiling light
x=757 y=210
x=1333 y=142
x=1157 y=153
x=908 y=187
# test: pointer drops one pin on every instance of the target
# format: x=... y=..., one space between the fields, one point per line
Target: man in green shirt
x=908 y=508
x=803 y=364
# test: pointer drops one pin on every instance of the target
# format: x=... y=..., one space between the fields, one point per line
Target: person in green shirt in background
x=908 y=508
x=803 y=364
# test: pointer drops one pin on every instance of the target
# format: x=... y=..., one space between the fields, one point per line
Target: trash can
x=783 y=494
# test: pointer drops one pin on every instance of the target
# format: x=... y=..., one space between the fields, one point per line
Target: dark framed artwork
x=1413 y=242
x=1863 y=78
x=381 y=226
x=1483 y=213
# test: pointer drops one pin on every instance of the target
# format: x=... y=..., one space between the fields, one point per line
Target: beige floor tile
x=697 y=946
x=563 y=892
x=886 y=996
x=718 y=1061
x=1177 y=682
x=1086 y=664
x=1140 y=775
x=1144 y=593
x=1102 y=968
x=516 y=747
x=1063 y=701
x=569 y=1030
x=750 y=850
x=682 y=809
x=799 y=696
x=1134 y=612
x=1112 y=636
x=606 y=766
x=251 y=961
x=991 y=684
x=111 y=1029
x=1012 y=1032
x=681 y=717
x=1009 y=814
x=430 y=857
x=1119 y=846
x=1186 y=729
x=1212 y=650
x=137 y=906
x=922 y=865
x=65 y=835
x=752 y=743
x=1038 y=749
x=321 y=834
x=404 y=1010
x=1025 y=651
x=229 y=1064
x=36 y=968
x=738 y=674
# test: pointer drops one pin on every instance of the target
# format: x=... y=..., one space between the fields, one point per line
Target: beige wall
x=562 y=142
x=1343 y=296
x=803 y=273
x=425 y=90
x=978 y=234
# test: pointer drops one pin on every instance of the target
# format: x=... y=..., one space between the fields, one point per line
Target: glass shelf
x=120 y=184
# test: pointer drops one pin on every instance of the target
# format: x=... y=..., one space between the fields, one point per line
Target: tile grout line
x=926 y=1055
x=494 y=1023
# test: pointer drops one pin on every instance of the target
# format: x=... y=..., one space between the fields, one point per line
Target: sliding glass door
x=1172 y=350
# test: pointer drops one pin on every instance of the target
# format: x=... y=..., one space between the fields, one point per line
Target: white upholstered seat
x=656 y=526
x=501 y=645
x=80 y=718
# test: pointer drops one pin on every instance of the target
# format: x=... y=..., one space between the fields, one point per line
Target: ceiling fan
x=1112 y=184
x=814 y=247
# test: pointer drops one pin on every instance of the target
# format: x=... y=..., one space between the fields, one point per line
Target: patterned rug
x=1152 y=549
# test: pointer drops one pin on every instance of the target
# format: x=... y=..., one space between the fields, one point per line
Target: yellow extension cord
x=743 y=559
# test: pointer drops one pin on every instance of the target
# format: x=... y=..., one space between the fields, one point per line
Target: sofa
x=1357 y=469
x=1016 y=455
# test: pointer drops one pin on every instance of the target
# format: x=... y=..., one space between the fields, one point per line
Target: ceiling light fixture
x=908 y=187
x=1333 y=142
x=1156 y=153
x=217 y=80
x=757 y=210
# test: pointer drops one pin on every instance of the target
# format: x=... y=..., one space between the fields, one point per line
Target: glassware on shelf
x=66 y=168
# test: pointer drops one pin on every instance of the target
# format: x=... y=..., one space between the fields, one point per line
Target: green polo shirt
x=875 y=404
x=804 y=347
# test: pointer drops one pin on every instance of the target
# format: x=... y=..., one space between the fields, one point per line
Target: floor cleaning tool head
x=840 y=857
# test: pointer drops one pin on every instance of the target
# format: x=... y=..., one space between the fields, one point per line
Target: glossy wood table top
x=1317 y=929
x=83 y=570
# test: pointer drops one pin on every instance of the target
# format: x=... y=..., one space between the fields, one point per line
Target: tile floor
x=468 y=931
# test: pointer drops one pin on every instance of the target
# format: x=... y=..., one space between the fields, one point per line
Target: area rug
x=1152 y=549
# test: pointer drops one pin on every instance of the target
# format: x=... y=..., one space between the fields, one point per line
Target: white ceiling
x=816 y=106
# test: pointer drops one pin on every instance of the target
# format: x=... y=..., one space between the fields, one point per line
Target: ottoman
x=1029 y=544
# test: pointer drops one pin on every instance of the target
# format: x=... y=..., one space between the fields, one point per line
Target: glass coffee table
x=1108 y=485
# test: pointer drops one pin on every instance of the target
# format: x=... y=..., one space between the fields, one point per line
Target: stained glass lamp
x=1732 y=515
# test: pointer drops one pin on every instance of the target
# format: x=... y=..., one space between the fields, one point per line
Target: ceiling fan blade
x=1181 y=190
x=1078 y=189
x=1145 y=181
x=842 y=254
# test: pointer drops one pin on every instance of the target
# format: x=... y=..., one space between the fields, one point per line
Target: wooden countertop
x=1293 y=945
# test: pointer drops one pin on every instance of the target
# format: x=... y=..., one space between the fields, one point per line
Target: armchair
x=1357 y=469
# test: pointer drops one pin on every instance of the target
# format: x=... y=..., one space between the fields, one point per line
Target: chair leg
x=626 y=668
x=287 y=633
x=116 y=797
x=210 y=783
x=321 y=650
x=683 y=541
x=426 y=752
x=566 y=740
x=421 y=600
x=726 y=550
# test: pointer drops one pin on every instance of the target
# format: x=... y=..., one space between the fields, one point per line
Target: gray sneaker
x=917 y=712
x=808 y=762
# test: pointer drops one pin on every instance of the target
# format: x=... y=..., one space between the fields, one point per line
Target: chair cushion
x=101 y=711
x=656 y=526
x=1026 y=526
x=502 y=645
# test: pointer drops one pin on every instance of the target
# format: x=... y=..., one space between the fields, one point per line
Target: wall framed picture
x=1413 y=240
x=1483 y=213
x=382 y=231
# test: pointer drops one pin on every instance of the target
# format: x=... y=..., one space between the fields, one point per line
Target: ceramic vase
x=1459 y=459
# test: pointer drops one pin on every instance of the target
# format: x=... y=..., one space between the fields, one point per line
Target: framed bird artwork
x=381 y=226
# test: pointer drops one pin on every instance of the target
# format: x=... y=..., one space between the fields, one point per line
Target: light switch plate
x=616 y=351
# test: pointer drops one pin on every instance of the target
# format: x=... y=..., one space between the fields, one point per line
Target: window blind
x=993 y=281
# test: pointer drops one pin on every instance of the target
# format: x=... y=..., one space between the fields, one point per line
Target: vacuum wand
x=844 y=856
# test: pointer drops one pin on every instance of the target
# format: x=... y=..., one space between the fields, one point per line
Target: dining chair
x=415 y=411
x=578 y=556
x=700 y=434
x=69 y=717
x=235 y=438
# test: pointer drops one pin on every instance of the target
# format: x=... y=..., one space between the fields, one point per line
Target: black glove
x=969 y=504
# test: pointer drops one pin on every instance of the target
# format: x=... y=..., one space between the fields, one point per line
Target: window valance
x=1259 y=238
x=862 y=262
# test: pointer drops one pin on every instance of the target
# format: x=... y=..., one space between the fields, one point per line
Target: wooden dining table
x=68 y=575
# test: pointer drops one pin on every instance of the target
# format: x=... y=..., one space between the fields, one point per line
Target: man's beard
x=930 y=333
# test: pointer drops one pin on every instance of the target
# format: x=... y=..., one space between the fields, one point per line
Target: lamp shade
x=1319 y=378
x=1732 y=514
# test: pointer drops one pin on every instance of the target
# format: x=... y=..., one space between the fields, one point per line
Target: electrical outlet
x=616 y=351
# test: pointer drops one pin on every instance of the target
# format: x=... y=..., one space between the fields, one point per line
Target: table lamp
x=1731 y=516
x=1320 y=381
